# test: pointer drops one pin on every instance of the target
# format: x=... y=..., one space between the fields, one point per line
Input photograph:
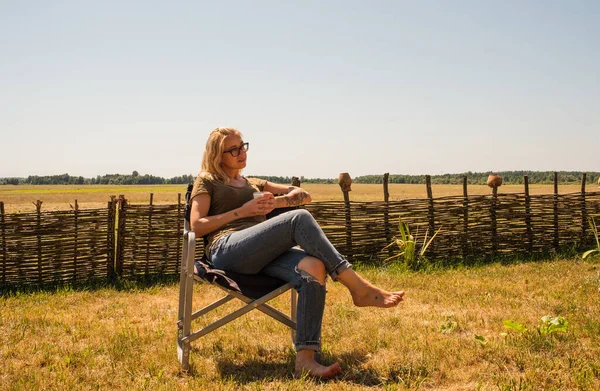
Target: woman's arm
x=294 y=196
x=202 y=224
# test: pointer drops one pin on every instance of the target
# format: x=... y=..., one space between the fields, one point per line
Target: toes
x=335 y=369
x=319 y=371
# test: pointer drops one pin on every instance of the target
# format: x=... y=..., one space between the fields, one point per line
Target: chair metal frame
x=185 y=336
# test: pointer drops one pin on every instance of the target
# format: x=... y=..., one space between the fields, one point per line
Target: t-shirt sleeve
x=260 y=183
x=201 y=186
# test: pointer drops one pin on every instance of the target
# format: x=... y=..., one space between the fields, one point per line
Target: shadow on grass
x=474 y=262
x=130 y=284
x=256 y=369
x=282 y=368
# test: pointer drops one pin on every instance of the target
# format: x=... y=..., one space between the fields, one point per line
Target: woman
x=240 y=239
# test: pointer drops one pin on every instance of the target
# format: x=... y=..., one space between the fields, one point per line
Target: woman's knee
x=315 y=267
x=303 y=215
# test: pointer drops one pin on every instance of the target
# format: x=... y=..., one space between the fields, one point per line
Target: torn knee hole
x=307 y=277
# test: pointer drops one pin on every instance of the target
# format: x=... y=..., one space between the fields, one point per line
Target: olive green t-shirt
x=223 y=198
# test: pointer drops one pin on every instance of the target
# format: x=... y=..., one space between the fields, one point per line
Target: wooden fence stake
x=295 y=181
x=555 y=242
x=494 y=180
x=465 y=241
x=386 y=212
x=430 y=212
x=494 y=221
x=345 y=183
x=149 y=237
x=110 y=239
x=120 y=239
x=75 y=217
x=528 y=214
x=386 y=193
x=179 y=232
x=584 y=222
x=4 y=253
x=38 y=207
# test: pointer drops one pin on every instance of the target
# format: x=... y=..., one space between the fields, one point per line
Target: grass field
x=447 y=335
x=59 y=197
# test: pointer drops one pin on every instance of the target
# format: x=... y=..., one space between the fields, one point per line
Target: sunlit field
x=448 y=334
x=60 y=197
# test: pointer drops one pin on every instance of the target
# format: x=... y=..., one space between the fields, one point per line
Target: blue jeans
x=268 y=248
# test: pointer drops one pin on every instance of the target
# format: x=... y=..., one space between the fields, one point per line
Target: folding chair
x=254 y=290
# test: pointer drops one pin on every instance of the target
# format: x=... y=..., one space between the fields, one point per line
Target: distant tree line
x=508 y=177
x=109 y=179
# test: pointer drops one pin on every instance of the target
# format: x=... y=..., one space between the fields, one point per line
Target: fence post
x=38 y=207
x=386 y=193
x=121 y=223
x=583 y=209
x=179 y=233
x=430 y=212
x=295 y=181
x=494 y=181
x=528 y=214
x=386 y=212
x=555 y=211
x=75 y=249
x=465 y=246
x=110 y=239
x=4 y=260
x=345 y=183
x=149 y=236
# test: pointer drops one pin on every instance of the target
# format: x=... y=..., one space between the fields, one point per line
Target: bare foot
x=371 y=296
x=312 y=368
x=365 y=294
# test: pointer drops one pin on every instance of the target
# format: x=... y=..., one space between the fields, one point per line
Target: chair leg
x=182 y=284
x=293 y=309
x=185 y=301
x=183 y=327
x=183 y=347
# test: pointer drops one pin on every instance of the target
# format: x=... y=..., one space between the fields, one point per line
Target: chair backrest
x=188 y=206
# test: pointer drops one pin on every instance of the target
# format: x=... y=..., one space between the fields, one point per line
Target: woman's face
x=233 y=143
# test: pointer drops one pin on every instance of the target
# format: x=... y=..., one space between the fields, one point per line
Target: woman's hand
x=259 y=206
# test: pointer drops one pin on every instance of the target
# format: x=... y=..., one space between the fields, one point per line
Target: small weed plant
x=542 y=337
x=595 y=231
x=548 y=325
x=408 y=245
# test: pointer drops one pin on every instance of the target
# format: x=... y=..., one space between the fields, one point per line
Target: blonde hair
x=213 y=154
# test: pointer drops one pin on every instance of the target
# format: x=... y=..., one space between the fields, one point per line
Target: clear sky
x=317 y=87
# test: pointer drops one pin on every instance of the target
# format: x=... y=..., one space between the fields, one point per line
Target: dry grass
x=59 y=197
x=125 y=339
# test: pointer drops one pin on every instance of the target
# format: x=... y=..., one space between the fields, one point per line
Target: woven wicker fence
x=53 y=247
x=132 y=240
x=477 y=226
x=149 y=239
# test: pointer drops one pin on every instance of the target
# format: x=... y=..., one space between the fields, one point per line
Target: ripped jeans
x=268 y=247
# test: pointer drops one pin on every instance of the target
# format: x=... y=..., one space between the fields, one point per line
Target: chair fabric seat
x=254 y=286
